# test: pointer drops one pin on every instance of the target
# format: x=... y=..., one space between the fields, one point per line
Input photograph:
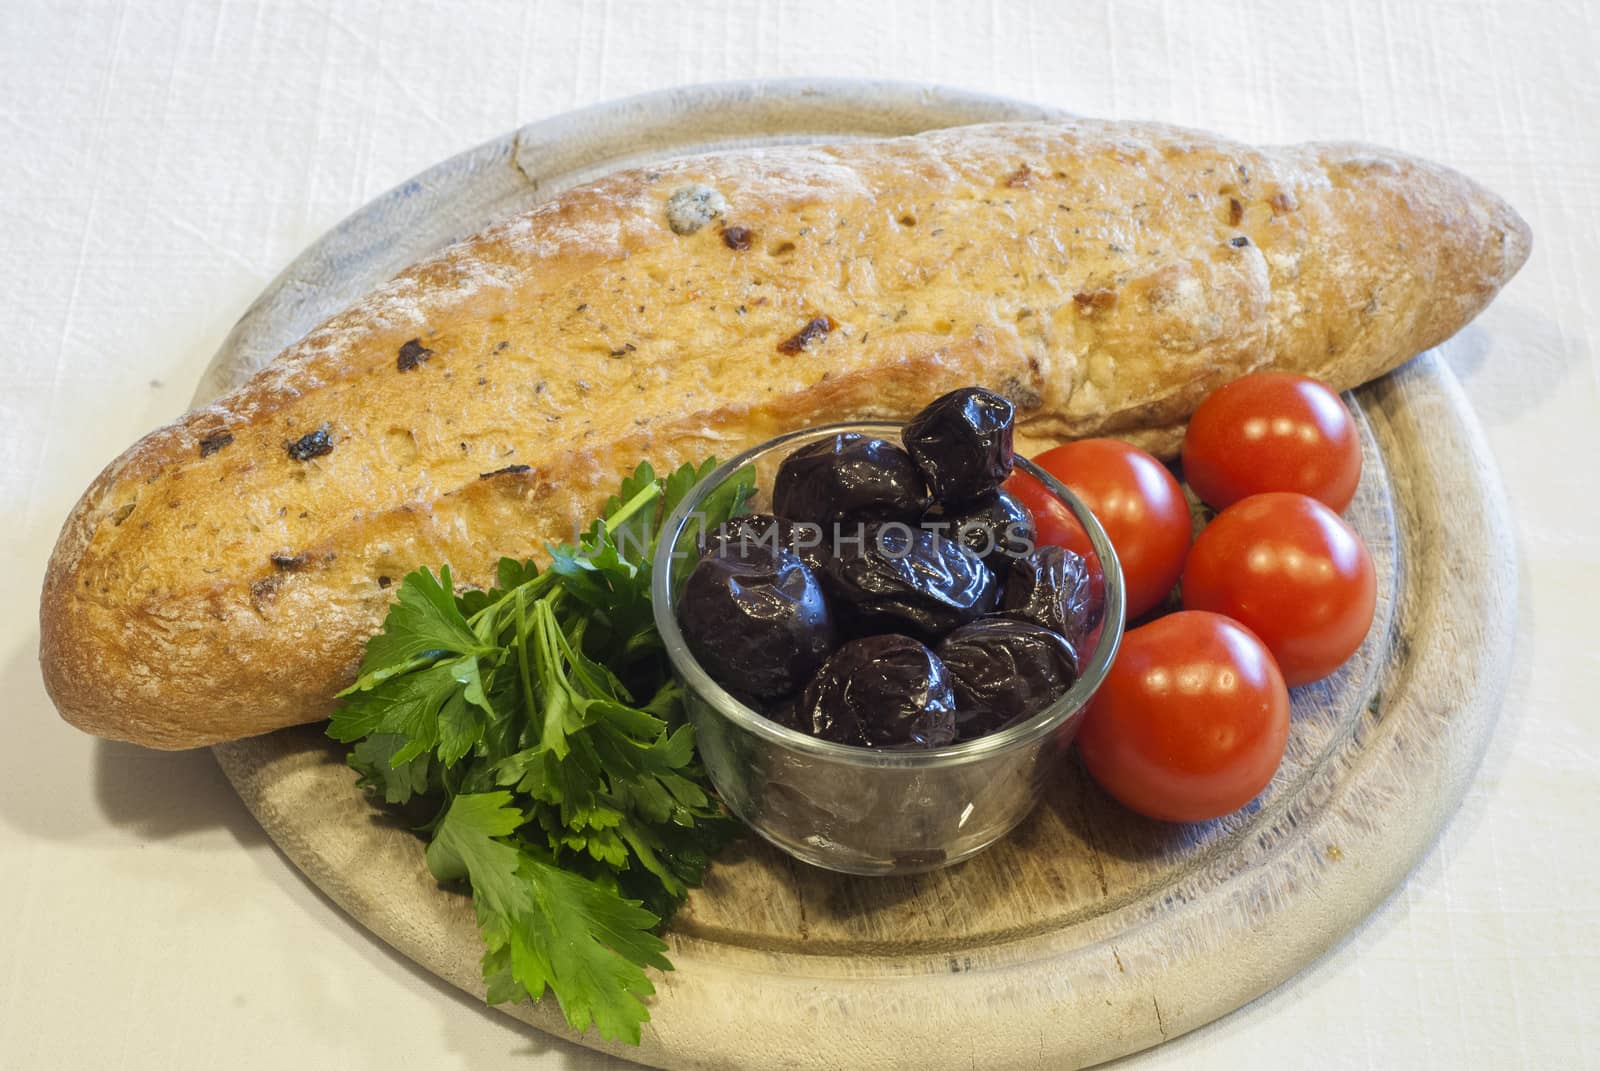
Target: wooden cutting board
x=1089 y=932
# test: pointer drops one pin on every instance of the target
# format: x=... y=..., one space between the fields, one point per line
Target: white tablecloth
x=162 y=161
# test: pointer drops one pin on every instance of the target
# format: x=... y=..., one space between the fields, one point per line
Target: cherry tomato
x=1053 y=521
x=1191 y=721
x=1272 y=431
x=1291 y=570
x=1139 y=504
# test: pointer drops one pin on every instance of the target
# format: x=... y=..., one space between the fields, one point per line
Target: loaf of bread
x=219 y=579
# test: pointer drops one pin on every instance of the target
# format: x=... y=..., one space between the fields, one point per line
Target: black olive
x=1004 y=670
x=962 y=444
x=881 y=691
x=1054 y=587
x=765 y=530
x=756 y=619
x=997 y=526
x=895 y=578
x=849 y=477
x=784 y=711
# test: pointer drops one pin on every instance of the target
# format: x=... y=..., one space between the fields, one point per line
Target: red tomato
x=1292 y=571
x=1272 y=431
x=1053 y=521
x=1139 y=504
x=1191 y=721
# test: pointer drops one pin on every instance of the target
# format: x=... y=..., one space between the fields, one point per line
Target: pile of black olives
x=894 y=597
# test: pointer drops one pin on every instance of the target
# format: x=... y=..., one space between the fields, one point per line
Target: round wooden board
x=1089 y=932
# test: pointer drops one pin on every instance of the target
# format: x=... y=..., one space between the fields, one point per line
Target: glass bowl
x=862 y=810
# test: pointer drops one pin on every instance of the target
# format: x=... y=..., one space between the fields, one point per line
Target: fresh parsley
x=538 y=725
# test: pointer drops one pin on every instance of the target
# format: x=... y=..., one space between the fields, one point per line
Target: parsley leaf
x=423 y=622
x=373 y=758
x=564 y=932
x=577 y=813
x=406 y=706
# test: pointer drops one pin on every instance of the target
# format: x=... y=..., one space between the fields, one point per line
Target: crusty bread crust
x=219 y=579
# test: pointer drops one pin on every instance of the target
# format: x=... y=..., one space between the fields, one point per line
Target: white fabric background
x=160 y=163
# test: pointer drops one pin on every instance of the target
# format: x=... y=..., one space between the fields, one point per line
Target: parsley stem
x=521 y=650
x=646 y=495
x=524 y=589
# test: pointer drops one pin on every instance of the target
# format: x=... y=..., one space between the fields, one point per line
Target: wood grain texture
x=1088 y=932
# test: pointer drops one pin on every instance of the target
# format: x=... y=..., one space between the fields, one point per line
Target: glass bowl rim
x=1019 y=735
